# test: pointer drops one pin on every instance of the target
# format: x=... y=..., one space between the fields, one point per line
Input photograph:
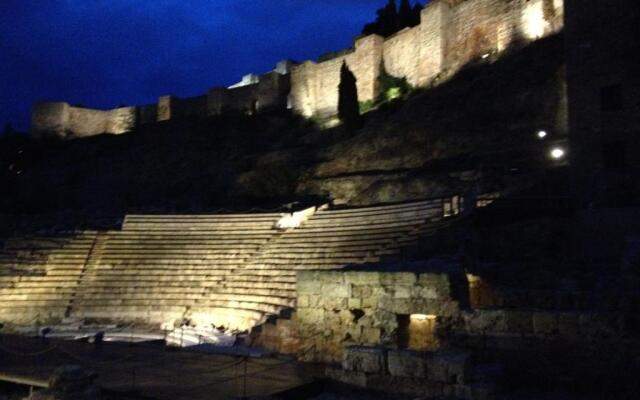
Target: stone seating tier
x=229 y=270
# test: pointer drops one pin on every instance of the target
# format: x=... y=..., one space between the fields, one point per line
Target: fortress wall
x=401 y=55
x=121 y=120
x=147 y=114
x=270 y=92
x=303 y=90
x=62 y=120
x=451 y=34
x=49 y=119
x=88 y=122
x=434 y=23
x=315 y=86
x=485 y=26
x=192 y=106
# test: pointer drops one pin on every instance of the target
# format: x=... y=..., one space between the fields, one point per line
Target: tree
x=391 y=87
x=416 y=14
x=386 y=23
x=8 y=130
x=405 y=15
x=348 y=107
x=390 y=20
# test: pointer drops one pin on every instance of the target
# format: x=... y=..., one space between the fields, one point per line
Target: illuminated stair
x=229 y=270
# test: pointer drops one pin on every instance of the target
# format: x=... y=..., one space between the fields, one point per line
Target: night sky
x=106 y=53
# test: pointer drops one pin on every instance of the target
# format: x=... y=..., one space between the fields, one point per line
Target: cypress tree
x=348 y=107
x=416 y=13
x=389 y=19
x=386 y=23
x=405 y=15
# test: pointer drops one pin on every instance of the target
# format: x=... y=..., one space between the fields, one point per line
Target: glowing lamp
x=423 y=317
x=557 y=153
x=542 y=134
x=485 y=56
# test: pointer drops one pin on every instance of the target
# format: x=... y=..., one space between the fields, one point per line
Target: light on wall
x=542 y=134
x=423 y=317
x=533 y=21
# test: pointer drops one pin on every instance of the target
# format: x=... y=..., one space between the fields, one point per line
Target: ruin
x=373 y=293
x=450 y=35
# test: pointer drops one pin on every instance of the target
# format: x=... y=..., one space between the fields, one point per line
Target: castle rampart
x=62 y=120
x=451 y=34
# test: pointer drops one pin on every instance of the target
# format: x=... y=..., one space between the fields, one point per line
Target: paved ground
x=155 y=372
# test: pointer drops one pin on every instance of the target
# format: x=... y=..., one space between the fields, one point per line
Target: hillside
x=475 y=130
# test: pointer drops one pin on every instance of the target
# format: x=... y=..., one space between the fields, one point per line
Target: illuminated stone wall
x=363 y=307
x=314 y=86
x=63 y=120
x=451 y=34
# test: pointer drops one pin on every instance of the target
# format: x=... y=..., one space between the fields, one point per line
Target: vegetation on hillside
x=391 y=19
x=475 y=131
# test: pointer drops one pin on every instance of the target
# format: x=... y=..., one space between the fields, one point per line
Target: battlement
x=450 y=35
x=252 y=94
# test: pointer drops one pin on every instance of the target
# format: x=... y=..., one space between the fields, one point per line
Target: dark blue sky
x=104 y=53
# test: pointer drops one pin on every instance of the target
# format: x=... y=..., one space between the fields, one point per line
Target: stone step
x=417 y=216
x=159 y=297
x=181 y=235
x=271 y=285
x=382 y=208
x=236 y=245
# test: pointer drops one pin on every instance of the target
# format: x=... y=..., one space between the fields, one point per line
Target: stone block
x=402 y=306
x=302 y=301
x=384 y=319
x=398 y=278
x=371 y=336
x=355 y=303
x=440 y=282
x=362 y=278
x=429 y=293
x=336 y=277
x=335 y=303
x=336 y=290
x=309 y=287
x=364 y=359
x=406 y=363
x=370 y=302
x=314 y=300
x=402 y=292
x=545 y=323
x=311 y=316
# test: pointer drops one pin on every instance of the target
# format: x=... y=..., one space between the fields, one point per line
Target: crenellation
x=450 y=35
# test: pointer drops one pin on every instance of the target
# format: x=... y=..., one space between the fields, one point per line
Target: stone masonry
x=450 y=35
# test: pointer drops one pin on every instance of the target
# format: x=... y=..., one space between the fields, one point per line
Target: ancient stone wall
x=269 y=92
x=450 y=35
x=338 y=308
x=63 y=120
